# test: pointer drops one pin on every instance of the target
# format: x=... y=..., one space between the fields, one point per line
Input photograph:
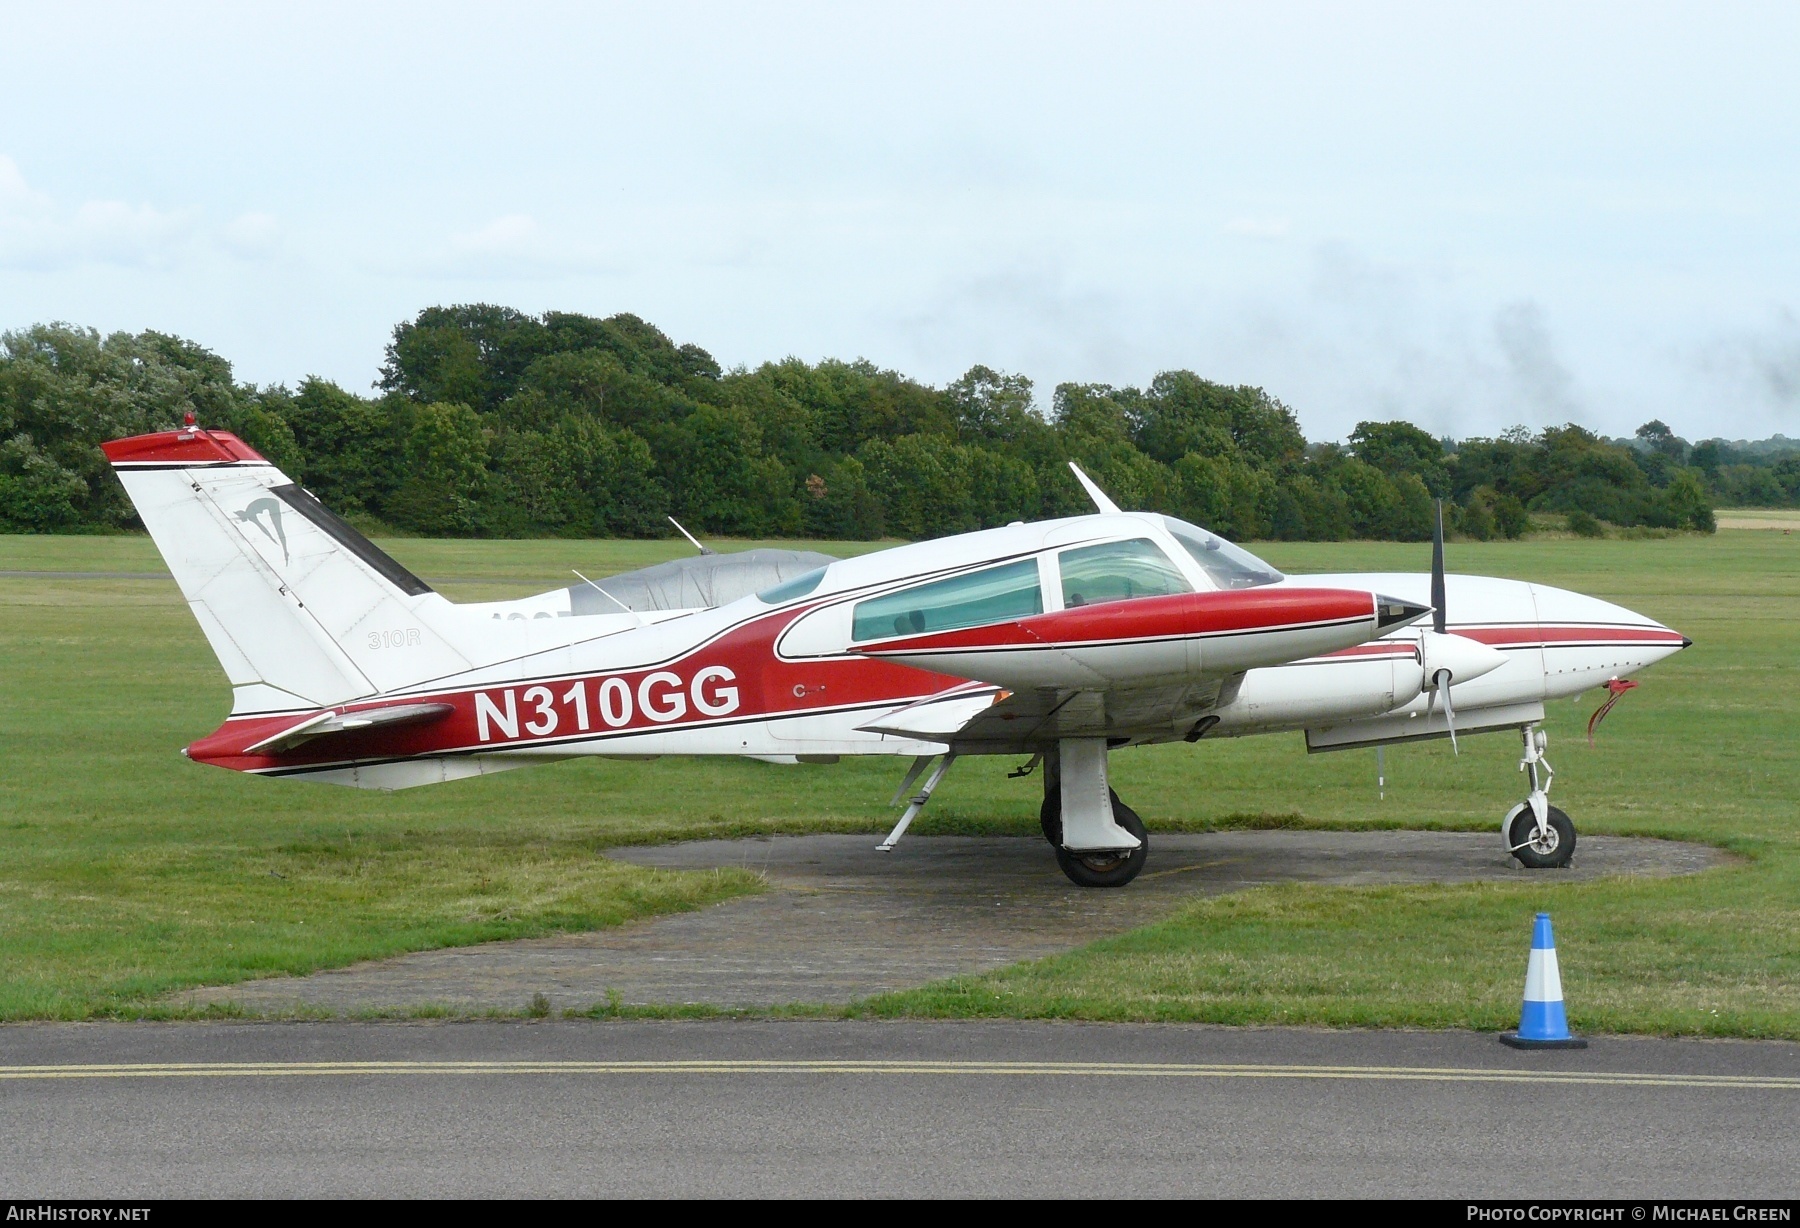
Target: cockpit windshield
x=1229 y=566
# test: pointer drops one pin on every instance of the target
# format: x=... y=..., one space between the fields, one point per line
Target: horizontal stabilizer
x=326 y=724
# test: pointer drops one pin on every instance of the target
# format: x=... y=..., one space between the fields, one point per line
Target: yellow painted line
x=1164 y=1070
x=1200 y=865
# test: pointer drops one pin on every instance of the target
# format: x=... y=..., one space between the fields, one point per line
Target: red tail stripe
x=189 y=447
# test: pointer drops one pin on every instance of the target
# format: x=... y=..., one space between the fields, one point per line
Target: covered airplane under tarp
x=703 y=582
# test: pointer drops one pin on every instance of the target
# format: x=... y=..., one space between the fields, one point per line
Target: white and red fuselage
x=1129 y=627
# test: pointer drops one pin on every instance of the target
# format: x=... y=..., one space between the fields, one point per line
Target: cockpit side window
x=1227 y=565
x=968 y=600
x=1118 y=571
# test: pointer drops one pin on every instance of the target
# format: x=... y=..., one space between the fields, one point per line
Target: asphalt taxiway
x=842 y=921
x=772 y=1108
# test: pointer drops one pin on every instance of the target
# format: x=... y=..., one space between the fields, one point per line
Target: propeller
x=1440 y=681
x=1440 y=689
x=1437 y=571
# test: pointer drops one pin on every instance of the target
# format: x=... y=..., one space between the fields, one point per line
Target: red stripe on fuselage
x=731 y=678
x=1181 y=615
x=1377 y=648
x=1534 y=635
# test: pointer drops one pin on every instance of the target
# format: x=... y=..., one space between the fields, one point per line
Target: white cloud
x=511 y=236
x=251 y=235
x=16 y=196
x=1268 y=228
x=513 y=246
x=35 y=234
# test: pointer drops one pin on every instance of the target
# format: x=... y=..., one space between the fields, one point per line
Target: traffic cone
x=1542 y=1023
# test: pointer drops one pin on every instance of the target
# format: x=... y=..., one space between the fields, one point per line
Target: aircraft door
x=808 y=671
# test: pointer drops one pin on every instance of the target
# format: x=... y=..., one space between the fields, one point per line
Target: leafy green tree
x=923 y=484
x=499 y=422
x=1657 y=436
x=1475 y=518
x=714 y=468
x=1510 y=517
x=991 y=407
x=1400 y=447
x=1688 y=504
x=1181 y=413
x=1583 y=523
x=354 y=447
x=839 y=504
x=37 y=495
x=1225 y=494
x=64 y=390
x=1002 y=488
x=446 y=462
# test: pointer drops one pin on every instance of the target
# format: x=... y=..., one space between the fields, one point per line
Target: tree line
x=490 y=422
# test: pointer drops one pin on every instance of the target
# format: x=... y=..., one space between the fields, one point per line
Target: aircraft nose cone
x=1393 y=612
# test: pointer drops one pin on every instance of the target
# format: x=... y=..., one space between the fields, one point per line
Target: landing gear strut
x=1103 y=843
x=1537 y=833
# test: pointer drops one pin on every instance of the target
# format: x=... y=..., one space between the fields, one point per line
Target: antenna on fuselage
x=610 y=597
x=1094 y=492
x=691 y=537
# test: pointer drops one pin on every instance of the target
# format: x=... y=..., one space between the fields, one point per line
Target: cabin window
x=968 y=600
x=1227 y=565
x=1118 y=571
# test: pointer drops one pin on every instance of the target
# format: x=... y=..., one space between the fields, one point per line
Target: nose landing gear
x=1541 y=836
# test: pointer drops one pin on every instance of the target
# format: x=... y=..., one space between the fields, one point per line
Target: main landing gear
x=1537 y=833
x=1099 y=840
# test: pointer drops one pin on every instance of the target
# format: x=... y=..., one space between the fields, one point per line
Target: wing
x=976 y=718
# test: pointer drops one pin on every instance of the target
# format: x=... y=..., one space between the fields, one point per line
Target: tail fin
x=302 y=610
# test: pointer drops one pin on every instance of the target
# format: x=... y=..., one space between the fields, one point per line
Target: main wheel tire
x=1551 y=851
x=1098 y=867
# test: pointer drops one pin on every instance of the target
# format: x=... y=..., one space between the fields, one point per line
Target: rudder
x=302 y=610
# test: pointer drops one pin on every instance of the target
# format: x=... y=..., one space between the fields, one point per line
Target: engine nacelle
x=1324 y=690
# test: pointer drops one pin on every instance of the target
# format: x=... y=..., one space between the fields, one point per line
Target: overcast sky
x=1466 y=215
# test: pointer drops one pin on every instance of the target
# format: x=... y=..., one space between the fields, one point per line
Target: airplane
x=1062 y=640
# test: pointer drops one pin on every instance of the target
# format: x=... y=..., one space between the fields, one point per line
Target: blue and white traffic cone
x=1542 y=1023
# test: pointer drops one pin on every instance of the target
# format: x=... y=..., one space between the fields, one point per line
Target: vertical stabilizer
x=302 y=610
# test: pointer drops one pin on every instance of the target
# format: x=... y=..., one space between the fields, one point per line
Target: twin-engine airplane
x=1063 y=640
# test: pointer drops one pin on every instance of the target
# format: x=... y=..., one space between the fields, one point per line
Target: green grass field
x=126 y=872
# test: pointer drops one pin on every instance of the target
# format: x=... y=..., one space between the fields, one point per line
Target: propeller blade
x=1441 y=686
x=1437 y=571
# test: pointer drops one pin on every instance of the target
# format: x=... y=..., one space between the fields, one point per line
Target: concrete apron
x=843 y=921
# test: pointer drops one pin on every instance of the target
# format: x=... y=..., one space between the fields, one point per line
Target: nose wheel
x=1545 y=849
x=1541 y=836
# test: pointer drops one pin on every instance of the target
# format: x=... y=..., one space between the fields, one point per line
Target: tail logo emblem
x=252 y=514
